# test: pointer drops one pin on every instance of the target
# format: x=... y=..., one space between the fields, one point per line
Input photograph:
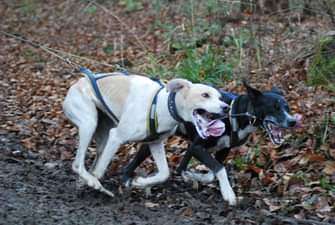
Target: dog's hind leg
x=101 y=135
x=112 y=145
x=80 y=109
x=158 y=153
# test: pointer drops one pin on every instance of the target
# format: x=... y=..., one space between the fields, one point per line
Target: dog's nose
x=292 y=123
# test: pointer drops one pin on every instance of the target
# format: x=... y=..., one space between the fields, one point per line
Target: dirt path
x=36 y=192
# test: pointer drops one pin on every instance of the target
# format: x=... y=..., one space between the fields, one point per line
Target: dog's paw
x=93 y=182
x=229 y=196
x=201 y=177
x=186 y=175
x=80 y=183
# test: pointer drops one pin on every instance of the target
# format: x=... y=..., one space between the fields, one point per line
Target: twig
x=122 y=23
x=324 y=136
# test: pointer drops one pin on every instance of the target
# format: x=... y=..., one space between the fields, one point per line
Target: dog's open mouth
x=275 y=132
x=208 y=124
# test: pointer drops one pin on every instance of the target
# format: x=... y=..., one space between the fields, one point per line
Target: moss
x=322 y=68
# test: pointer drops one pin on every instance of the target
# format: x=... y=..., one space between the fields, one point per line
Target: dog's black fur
x=267 y=107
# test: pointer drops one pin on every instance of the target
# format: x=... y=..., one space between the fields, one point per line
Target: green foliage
x=201 y=25
x=92 y=9
x=324 y=129
x=108 y=49
x=300 y=175
x=326 y=184
x=207 y=66
x=131 y=5
x=240 y=163
x=322 y=68
x=154 y=68
x=28 y=7
x=30 y=55
x=333 y=118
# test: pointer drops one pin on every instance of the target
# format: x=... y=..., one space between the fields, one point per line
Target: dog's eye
x=205 y=95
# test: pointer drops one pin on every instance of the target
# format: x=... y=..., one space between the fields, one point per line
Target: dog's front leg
x=158 y=153
x=220 y=172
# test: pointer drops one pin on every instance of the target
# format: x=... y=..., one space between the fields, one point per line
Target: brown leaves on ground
x=296 y=179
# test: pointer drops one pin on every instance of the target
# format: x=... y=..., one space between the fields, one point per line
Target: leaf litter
x=296 y=180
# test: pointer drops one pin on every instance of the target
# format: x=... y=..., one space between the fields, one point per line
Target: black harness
x=152 y=122
x=253 y=120
x=94 y=78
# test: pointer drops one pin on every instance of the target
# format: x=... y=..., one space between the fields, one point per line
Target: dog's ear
x=277 y=91
x=177 y=84
x=252 y=92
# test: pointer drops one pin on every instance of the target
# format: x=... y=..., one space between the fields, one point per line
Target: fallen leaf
x=329 y=168
x=150 y=204
x=272 y=205
x=188 y=212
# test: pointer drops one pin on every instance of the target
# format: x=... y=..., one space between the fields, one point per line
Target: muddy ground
x=37 y=192
x=293 y=184
x=34 y=191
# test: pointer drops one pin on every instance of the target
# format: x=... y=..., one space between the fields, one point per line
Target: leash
x=94 y=77
x=62 y=55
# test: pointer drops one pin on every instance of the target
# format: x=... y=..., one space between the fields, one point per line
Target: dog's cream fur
x=129 y=97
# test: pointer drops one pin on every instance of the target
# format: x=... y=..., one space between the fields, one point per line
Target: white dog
x=127 y=101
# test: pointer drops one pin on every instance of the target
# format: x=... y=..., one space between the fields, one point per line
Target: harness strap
x=152 y=119
x=91 y=76
x=233 y=119
x=173 y=108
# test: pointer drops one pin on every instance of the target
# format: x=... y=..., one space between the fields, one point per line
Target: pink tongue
x=216 y=128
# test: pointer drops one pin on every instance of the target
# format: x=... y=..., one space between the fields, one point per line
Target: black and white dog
x=268 y=110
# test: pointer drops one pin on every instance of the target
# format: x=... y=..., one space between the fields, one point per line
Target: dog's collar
x=173 y=108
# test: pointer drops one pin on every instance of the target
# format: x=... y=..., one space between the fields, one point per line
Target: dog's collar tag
x=173 y=108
